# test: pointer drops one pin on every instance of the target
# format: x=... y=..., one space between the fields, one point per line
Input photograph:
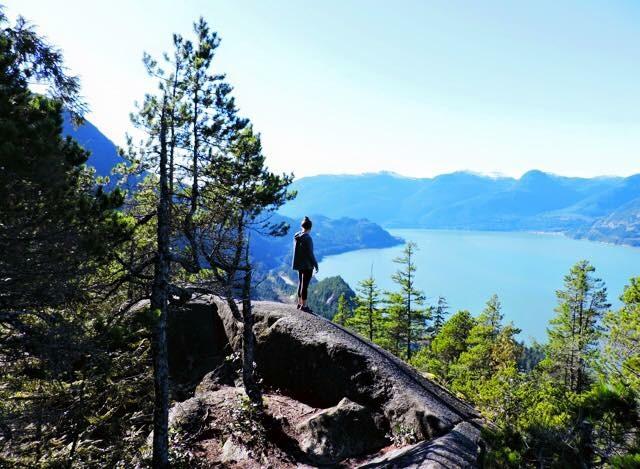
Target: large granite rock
x=349 y=380
x=320 y=363
x=345 y=430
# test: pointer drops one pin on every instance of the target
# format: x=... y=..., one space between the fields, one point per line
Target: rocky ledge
x=334 y=399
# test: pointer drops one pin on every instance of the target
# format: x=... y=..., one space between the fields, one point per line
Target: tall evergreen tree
x=191 y=115
x=54 y=219
x=367 y=318
x=490 y=348
x=343 y=314
x=239 y=195
x=406 y=318
x=575 y=331
x=622 y=340
x=444 y=350
x=439 y=314
x=58 y=229
x=211 y=126
x=157 y=118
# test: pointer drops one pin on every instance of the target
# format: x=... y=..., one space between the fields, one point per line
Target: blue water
x=467 y=267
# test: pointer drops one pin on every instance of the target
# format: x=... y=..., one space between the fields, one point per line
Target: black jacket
x=303 y=258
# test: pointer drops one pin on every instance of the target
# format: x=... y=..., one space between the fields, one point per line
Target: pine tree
x=406 y=321
x=250 y=194
x=367 y=318
x=439 y=314
x=190 y=116
x=452 y=339
x=622 y=340
x=343 y=314
x=477 y=363
x=575 y=331
x=155 y=119
x=488 y=366
x=446 y=347
x=58 y=231
x=54 y=219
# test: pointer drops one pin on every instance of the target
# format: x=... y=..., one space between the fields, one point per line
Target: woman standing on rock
x=304 y=261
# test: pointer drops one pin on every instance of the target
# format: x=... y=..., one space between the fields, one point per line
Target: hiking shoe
x=298 y=306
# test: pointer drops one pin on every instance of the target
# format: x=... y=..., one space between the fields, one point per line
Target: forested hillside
x=571 y=402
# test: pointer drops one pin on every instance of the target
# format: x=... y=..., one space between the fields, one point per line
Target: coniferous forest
x=570 y=402
x=91 y=266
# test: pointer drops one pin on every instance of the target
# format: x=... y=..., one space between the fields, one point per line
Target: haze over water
x=467 y=267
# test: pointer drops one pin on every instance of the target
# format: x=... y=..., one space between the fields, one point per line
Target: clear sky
x=415 y=87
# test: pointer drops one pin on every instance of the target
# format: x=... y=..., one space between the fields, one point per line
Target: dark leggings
x=304 y=277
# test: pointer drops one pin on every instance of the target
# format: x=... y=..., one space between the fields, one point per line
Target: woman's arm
x=312 y=255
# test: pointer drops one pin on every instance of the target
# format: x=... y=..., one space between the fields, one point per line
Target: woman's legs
x=300 y=303
x=305 y=278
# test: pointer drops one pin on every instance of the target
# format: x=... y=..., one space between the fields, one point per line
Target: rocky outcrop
x=198 y=345
x=343 y=431
x=458 y=448
x=219 y=430
x=319 y=363
x=359 y=397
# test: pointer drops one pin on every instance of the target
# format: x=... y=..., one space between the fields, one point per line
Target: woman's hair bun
x=306 y=223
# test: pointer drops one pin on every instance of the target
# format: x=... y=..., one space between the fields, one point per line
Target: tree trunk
x=580 y=347
x=409 y=322
x=174 y=91
x=159 y=302
x=370 y=321
x=571 y=383
x=251 y=386
x=409 y=290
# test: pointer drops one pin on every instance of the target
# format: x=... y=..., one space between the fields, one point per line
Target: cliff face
x=354 y=400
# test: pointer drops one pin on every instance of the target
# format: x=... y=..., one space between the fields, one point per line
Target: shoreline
x=563 y=234
x=467 y=266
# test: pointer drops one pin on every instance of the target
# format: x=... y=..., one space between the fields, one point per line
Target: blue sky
x=415 y=87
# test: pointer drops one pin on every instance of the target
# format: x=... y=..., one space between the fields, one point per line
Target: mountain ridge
x=599 y=208
x=537 y=201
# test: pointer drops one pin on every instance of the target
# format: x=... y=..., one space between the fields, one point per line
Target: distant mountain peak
x=536 y=174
